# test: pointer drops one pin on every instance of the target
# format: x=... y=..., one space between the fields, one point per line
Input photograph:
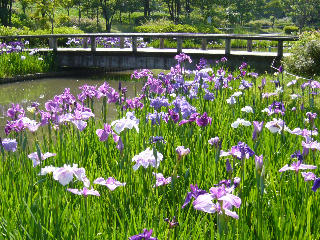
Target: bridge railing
x=53 y=39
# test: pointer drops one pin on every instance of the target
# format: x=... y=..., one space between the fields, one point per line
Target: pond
x=24 y=93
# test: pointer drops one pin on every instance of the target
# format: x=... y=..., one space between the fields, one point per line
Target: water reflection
x=40 y=91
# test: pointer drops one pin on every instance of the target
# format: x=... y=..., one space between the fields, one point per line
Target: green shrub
x=305 y=55
x=290 y=29
x=258 y=24
x=282 y=22
x=37 y=42
x=86 y=24
x=165 y=26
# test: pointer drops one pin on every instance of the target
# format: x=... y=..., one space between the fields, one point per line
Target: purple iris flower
x=296 y=166
x=88 y=91
x=173 y=223
x=297 y=155
x=15 y=112
x=195 y=192
x=209 y=96
x=110 y=183
x=276 y=107
x=240 y=151
x=308 y=176
x=228 y=166
x=243 y=66
x=253 y=74
x=192 y=118
x=153 y=85
x=181 y=151
x=263 y=84
x=311 y=116
x=203 y=120
x=156 y=117
x=223 y=196
x=257 y=129
x=258 y=162
x=9 y=145
x=183 y=106
x=316 y=184
x=104 y=133
x=173 y=115
x=214 y=142
x=159 y=102
x=228 y=183
x=134 y=103
x=156 y=139
x=161 y=180
x=202 y=64
x=35 y=158
x=245 y=85
x=53 y=106
x=140 y=74
x=182 y=57
x=146 y=235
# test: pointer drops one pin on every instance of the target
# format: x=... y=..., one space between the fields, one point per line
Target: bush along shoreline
x=197 y=154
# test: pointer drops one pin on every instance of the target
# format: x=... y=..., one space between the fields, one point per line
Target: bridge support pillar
x=204 y=44
x=53 y=43
x=228 y=46
x=134 y=44
x=280 y=49
x=161 y=43
x=249 y=45
x=179 y=45
x=93 y=44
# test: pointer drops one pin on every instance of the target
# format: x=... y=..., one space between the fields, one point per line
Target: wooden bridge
x=91 y=56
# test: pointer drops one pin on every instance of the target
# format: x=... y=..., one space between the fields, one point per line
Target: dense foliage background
x=124 y=15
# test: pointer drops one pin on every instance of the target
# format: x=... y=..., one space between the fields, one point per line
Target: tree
x=45 y=10
x=6 y=12
x=302 y=11
x=109 y=8
x=174 y=7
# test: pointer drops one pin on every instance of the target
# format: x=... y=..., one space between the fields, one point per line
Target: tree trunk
x=188 y=8
x=10 y=12
x=146 y=8
x=79 y=13
x=97 y=18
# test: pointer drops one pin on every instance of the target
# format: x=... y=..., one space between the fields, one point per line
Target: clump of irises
x=200 y=129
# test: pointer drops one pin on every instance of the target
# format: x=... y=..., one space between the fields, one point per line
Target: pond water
x=42 y=90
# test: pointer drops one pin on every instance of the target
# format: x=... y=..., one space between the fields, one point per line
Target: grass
x=38 y=207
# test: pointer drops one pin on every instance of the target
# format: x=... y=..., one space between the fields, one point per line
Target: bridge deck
x=170 y=51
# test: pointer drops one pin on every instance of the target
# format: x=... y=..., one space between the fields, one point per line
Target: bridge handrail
x=179 y=36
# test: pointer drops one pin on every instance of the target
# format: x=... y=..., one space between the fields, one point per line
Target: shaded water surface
x=41 y=91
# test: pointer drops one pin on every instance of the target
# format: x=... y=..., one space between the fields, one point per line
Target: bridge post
x=228 y=46
x=249 y=45
x=161 y=40
x=53 y=43
x=121 y=42
x=134 y=44
x=93 y=43
x=204 y=44
x=179 y=45
x=280 y=48
x=85 y=42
